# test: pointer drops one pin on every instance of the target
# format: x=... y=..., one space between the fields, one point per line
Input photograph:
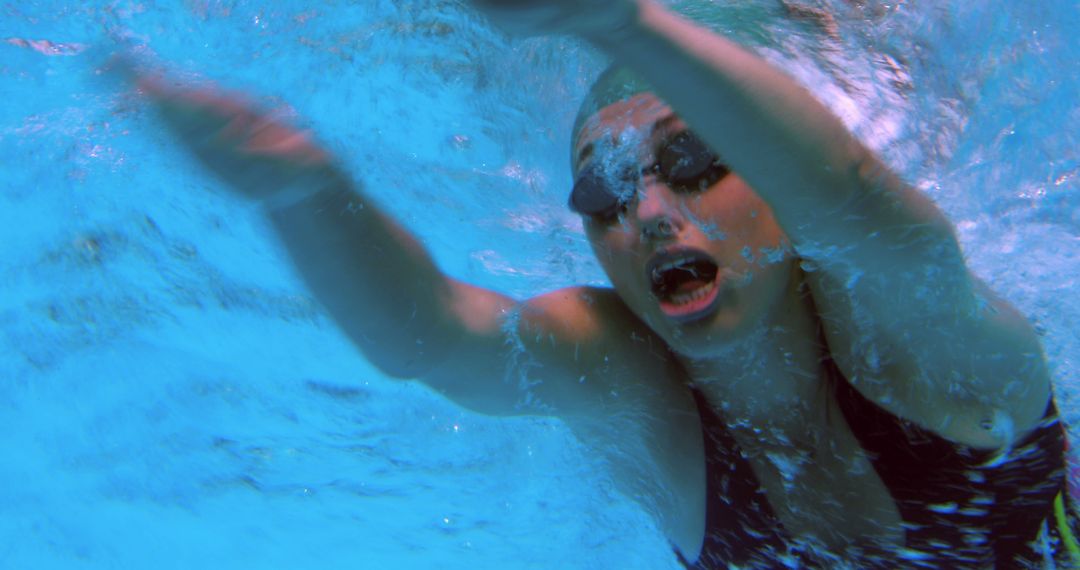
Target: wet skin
x=727 y=221
x=603 y=357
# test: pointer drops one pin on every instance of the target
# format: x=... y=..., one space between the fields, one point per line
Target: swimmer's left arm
x=905 y=319
x=908 y=323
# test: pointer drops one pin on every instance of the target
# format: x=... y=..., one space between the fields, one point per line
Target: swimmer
x=825 y=381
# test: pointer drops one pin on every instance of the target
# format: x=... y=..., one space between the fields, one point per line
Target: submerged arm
x=376 y=280
x=378 y=283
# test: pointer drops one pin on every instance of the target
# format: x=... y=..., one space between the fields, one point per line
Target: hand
x=590 y=19
x=257 y=155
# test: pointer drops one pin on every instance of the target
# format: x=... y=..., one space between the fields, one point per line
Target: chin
x=713 y=336
x=739 y=324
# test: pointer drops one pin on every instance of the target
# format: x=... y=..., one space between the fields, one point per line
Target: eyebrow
x=659 y=125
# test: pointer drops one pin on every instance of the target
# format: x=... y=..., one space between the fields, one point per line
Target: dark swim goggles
x=685 y=163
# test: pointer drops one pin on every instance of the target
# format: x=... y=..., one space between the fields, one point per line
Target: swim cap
x=747 y=23
x=614 y=84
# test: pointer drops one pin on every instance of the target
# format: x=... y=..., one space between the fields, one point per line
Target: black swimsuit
x=961 y=507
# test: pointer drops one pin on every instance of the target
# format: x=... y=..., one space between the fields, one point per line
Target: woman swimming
x=824 y=379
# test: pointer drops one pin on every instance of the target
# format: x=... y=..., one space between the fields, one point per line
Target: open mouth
x=685 y=282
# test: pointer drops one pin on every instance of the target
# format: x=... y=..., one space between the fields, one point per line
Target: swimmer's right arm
x=477 y=347
x=412 y=321
x=373 y=276
x=377 y=281
x=382 y=287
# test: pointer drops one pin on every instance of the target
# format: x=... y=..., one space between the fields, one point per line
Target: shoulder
x=577 y=314
x=589 y=333
x=592 y=318
x=975 y=376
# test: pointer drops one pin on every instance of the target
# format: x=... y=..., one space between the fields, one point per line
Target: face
x=700 y=259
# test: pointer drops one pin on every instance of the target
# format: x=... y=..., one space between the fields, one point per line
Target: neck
x=769 y=382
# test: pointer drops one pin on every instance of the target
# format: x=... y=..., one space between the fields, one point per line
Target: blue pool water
x=171 y=396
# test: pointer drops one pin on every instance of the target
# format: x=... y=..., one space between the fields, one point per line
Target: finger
x=205 y=113
x=275 y=140
x=125 y=65
x=188 y=108
x=127 y=68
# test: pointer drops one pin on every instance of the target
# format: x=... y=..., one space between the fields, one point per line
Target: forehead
x=643 y=113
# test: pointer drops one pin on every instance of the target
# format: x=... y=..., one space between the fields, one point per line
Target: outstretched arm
x=379 y=284
x=899 y=303
x=377 y=281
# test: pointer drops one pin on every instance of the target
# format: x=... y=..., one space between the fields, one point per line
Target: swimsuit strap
x=954 y=499
x=740 y=525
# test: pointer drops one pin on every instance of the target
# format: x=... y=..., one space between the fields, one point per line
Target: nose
x=658 y=213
